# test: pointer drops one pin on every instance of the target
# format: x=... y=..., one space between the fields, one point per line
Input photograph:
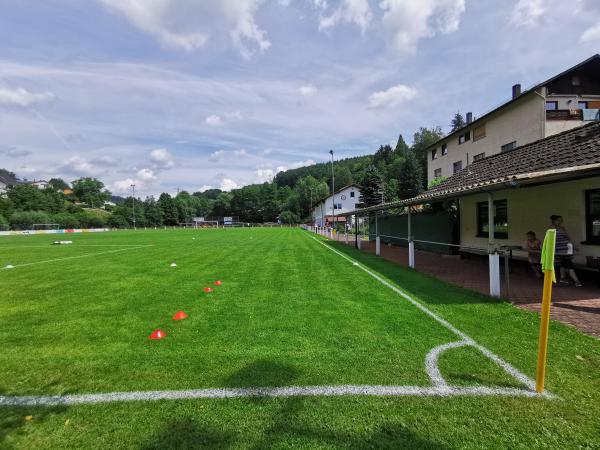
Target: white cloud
x=79 y=166
x=239 y=153
x=227 y=184
x=146 y=175
x=320 y=4
x=106 y=160
x=264 y=175
x=22 y=97
x=213 y=120
x=233 y=115
x=161 y=158
x=349 y=11
x=216 y=155
x=205 y=187
x=591 y=34
x=407 y=21
x=294 y=165
x=527 y=13
x=392 y=97
x=188 y=25
x=307 y=90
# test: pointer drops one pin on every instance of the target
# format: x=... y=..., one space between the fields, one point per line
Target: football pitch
x=305 y=343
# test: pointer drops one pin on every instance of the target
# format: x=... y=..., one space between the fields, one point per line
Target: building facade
x=342 y=201
x=568 y=100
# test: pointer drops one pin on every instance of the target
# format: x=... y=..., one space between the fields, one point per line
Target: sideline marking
x=78 y=256
x=465 y=340
x=289 y=391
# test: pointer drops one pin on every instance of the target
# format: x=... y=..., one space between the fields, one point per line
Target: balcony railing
x=564 y=114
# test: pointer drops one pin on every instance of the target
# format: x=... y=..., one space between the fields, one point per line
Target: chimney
x=516 y=90
x=469 y=117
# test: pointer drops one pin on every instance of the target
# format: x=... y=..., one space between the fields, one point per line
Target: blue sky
x=192 y=94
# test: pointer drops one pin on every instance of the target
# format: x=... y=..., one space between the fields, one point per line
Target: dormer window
x=464 y=137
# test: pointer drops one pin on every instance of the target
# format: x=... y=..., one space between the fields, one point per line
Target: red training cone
x=218 y=283
x=158 y=334
x=207 y=290
x=180 y=315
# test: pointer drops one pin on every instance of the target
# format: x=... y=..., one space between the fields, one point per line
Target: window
x=509 y=146
x=337 y=206
x=437 y=173
x=457 y=166
x=478 y=157
x=352 y=194
x=582 y=105
x=500 y=219
x=592 y=216
x=478 y=132
x=551 y=106
x=464 y=137
x=444 y=149
x=434 y=154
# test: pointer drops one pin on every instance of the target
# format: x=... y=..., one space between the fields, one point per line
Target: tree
x=401 y=147
x=370 y=193
x=410 y=177
x=343 y=177
x=90 y=191
x=422 y=140
x=457 y=122
x=154 y=215
x=222 y=204
x=289 y=217
x=26 y=197
x=169 y=209
x=58 y=184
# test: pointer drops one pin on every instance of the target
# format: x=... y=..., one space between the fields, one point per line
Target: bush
x=24 y=220
x=289 y=217
x=66 y=220
x=117 y=221
x=3 y=223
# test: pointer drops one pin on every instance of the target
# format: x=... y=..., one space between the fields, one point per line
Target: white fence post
x=495 y=275
x=411 y=254
x=359 y=241
x=377 y=246
x=346 y=237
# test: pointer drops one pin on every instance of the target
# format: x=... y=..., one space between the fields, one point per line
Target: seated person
x=534 y=248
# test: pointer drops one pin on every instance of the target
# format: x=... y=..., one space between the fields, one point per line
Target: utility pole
x=133 y=203
x=332 y=189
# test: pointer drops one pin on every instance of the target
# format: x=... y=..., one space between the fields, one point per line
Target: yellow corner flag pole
x=549 y=277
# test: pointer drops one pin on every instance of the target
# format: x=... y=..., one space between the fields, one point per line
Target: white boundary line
x=440 y=387
x=465 y=340
x=289 y=391
x=75 y=257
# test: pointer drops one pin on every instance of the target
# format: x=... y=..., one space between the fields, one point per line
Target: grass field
x=291 y=312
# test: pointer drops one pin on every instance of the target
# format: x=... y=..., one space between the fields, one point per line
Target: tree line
x=387 y=175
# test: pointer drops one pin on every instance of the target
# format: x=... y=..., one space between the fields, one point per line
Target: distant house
x=66 y=191
x=343 y=200
x=40 y=184
x=565 y=101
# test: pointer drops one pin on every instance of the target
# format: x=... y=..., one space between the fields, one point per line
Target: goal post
x=45 y=226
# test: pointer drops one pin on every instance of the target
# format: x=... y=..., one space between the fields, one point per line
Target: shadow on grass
x=423 y=286
x=15 y=420
x=189 y=434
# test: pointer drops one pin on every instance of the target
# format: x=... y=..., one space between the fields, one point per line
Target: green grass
x=289 y=312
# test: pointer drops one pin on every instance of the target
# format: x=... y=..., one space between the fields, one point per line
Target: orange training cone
x=180 y=315
x=158 y=334
x=207 y=290
x=218 y=283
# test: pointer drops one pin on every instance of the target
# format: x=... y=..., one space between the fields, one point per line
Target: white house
x=40 y=184
x=341 y=201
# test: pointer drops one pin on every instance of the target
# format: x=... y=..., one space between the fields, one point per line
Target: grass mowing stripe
x=510 y=369
x=78 y=256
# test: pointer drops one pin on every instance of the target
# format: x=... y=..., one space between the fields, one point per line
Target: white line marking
x=79 y=256
x=507 y=367
x=289 y=391
x=49 y=245
x=431 y=363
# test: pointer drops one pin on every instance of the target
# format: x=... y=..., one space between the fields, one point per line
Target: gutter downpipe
x=411 y=244
x=494 y=258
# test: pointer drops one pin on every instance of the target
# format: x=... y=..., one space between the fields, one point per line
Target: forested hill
x=347 y=171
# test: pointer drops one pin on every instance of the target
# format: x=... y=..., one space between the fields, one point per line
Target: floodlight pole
x=133 y=203
x=332 y=191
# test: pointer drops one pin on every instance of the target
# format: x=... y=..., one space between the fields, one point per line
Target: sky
x=195 y=94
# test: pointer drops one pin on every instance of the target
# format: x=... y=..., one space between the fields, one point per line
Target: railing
x=564 y=114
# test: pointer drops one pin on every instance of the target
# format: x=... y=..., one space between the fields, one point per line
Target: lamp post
x=133 y=203
x=332 y=190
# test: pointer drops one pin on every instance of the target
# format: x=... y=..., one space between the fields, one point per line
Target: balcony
x=564 y=114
